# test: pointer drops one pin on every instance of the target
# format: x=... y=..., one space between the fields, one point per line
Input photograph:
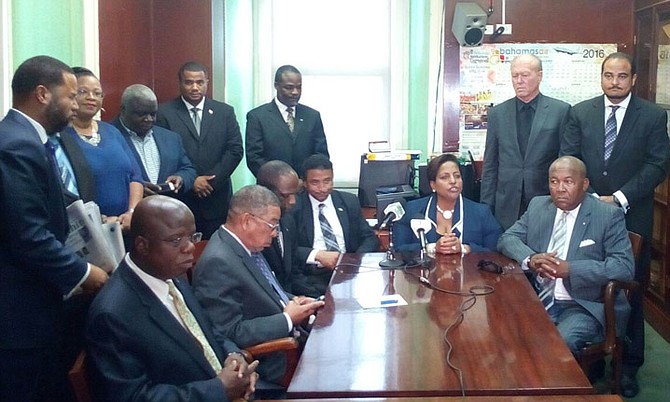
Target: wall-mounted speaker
x=469 y=24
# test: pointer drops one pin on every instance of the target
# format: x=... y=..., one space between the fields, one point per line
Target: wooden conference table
x=506 y=344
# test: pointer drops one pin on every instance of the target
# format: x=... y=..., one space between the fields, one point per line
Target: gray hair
x=253 y=199
x=137 y=91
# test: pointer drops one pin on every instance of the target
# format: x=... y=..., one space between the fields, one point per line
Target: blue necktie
x=66 y=176
x=610 y=132
x=267 y=273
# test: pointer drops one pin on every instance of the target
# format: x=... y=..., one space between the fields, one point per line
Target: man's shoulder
x=165 y=133
x=172 y=104
x=301 y=108
x=216 y=105
x=554 y=102
x=264 y=108
x=588 y=104
x=648 y=106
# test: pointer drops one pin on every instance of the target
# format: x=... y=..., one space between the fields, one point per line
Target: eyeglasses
x=272 y=227
x=93 y=93
x=179 y=241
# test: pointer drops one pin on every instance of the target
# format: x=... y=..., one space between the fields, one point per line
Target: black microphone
x=393 y=212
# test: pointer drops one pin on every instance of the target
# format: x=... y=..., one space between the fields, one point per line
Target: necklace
x=446 y=214
x=93 y=138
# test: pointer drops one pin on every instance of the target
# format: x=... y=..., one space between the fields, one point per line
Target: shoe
x=629 y=386
x=596 y=371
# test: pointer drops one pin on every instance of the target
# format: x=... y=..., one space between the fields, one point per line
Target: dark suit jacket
x=599 y=250
x=174 y=161
x=36 y=270
x=639 y=159
x=358 y=237
x=241 y=303
x=288 y=268
x=216 y=151
x=82 y=172
x=481 y=230
x=268 y=137
x=505 y=171
x=139 y=351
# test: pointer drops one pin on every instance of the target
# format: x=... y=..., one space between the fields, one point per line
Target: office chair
x=612 y=345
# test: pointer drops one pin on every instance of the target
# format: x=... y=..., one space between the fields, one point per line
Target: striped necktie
x=610 y=132
x=192 y=326
x=66 y=176
x=267 y=273
x=558 y=241
x=327 y=231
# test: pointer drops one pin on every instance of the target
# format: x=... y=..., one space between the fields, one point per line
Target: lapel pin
x=210 y=111
x=301 y=119
x=340 y=209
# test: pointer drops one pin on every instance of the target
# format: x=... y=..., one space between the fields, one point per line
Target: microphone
x=420 y=227
x=393 y=212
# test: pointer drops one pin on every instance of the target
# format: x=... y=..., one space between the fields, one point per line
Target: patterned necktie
x=610 y=132
x=192 y=326
x=327 y=231
x=558 y=241
x=196 y=119
x=267 y=273
x=290 y=120
x=66 y=177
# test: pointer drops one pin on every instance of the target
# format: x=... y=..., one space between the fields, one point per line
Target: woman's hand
x=449 y=244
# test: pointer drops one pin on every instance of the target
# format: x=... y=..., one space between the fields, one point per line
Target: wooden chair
x=199 y=248
x=612 y=345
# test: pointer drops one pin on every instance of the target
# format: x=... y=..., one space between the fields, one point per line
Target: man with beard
x=213 y=143
x=37 y=272
x=623 y=140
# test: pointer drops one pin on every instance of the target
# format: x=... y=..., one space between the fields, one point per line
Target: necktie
x=610 y=132
x=267 y=273
x=59 y=157
x=290 y=120
x=558 y=240
x=524 y=123
x=192 y=326
x=196 y=119
x=327 y=231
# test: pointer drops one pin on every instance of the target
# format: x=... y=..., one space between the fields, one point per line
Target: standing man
x=573 y=244
x=213 y=143
x=282 y=255
x=329 y=223
x=37 y=271
x=236 y=287
x=623 y=140
x=158 y=151
x=148 y=338
x=283 y=129
x=522 y=140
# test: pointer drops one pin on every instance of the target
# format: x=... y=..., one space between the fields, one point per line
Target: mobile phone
x=165 y=188
x=320 y=298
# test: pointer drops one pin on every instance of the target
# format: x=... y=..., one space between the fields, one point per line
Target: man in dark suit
x=522 y=140
x=623 y=140
x=573 y=244
x=213 y=143
x=329 y=223
x=158 y=151
x=282 y=255
x=148 y=338
x=36 y=270
x=284 y=129
x=236 y=287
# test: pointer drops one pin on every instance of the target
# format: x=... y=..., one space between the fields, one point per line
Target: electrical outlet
x=508 y=28
x=489 y=29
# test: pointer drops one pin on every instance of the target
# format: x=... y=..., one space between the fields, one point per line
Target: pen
x=387 y=302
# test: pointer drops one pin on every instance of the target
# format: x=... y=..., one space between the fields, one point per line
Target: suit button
x=605 y=173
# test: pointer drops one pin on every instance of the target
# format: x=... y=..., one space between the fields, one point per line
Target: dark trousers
x=633 y=355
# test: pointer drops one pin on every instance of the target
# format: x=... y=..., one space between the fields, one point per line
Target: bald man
x=142 y=342
x=522 y=139
x=166 y=168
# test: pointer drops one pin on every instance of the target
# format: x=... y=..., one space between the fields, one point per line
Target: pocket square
x=585 y=243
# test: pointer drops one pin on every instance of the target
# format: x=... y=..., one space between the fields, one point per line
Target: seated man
x=282 y=255
x=158 y=151
x=236 y=287
x=329 y=222
x=573 y=244
x=148 y=338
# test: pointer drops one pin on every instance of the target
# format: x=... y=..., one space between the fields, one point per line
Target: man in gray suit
x=522 y=139
x=573 y=244
x=236 y=287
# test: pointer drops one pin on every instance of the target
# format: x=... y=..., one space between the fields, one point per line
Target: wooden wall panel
x=536 y=21
x=145 y=42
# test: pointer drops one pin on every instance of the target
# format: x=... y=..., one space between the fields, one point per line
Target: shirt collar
x=236 y=238
x=41 y=131
x=135 y=135
x=622 y=105
x=532 y=103
x=282 y=107
x=328 y=202
x=158 y=286
x=200 y=105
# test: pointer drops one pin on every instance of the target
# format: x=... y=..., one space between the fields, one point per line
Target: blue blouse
x=113 y=167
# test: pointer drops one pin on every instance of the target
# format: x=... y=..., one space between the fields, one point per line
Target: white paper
x=394 y=300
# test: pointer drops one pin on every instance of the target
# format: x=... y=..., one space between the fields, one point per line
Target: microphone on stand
x=392 y=213
x=420 y=226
